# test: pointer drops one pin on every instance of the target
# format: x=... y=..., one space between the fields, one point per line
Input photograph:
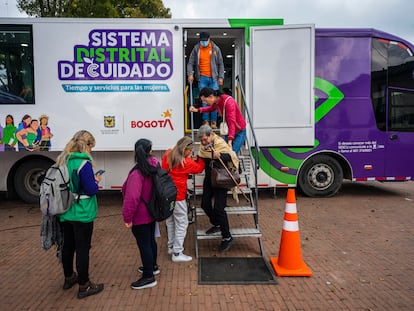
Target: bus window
x=400 y=67
x=392 y=66
x=16 y=67
x=379 y=73
x=401 y=114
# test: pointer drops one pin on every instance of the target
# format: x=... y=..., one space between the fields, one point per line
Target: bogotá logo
x=161 y=123
x=121 y=55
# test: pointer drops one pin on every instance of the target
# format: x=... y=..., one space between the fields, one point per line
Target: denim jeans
x=145 y=236
x=238 y=140
x=208 y=82
x=77 y=238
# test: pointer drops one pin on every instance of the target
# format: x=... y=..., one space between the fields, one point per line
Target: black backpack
x=164 y=193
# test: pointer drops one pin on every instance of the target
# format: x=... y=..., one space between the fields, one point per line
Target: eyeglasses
x=189 y=145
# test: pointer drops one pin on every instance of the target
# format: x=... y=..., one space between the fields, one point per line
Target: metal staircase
x=249 y=162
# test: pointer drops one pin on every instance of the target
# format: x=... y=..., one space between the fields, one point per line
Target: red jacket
x=179 y=174
x=234 y=117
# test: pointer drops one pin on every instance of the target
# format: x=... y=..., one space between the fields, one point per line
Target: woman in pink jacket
x=137 y=189
x=234 y=117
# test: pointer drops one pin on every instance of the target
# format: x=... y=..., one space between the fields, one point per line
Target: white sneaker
x=170 y=251
x=181 y=258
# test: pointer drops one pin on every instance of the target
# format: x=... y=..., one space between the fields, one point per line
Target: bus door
x=281 y=83
x=231 y=43
x=400 y=110
x=400 y=143
x=393 y=99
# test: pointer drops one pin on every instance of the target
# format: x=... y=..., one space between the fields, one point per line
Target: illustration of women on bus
x=44 y=133
x=1 y=137
x=8 y=139
x=28 y=137
x=23 y=125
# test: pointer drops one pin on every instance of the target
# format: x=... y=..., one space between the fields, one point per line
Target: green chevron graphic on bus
x=273 y=159
x=246 y=23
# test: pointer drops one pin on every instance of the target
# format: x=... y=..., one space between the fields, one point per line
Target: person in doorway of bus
x=234 y=118
x=8 y=139
x=28 y=137
x=77 y=221
x=44 y=133
x=206 y=64
x=22 y=125
x=179 y=164
x=137 y=190
x=214 y=147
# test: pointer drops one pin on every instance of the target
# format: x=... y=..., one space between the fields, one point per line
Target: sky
x=393 y=16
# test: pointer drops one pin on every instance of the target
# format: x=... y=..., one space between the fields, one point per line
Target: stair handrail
x=247 y=112
x=192 y=135
x=256 y=147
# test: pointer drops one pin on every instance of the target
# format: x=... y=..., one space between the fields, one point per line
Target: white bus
x=125 y=79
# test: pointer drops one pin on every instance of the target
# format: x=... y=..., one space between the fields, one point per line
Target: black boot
x=70 y=281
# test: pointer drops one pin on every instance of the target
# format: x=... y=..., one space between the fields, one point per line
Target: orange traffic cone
x=289 y=262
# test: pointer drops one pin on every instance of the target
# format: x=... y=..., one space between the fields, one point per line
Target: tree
x=94 y=8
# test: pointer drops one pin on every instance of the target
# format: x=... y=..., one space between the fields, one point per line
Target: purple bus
x=364 y=115
x=362 y=80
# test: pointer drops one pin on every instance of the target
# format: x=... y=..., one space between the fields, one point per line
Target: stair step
x=232 y=210
x=236 y=233
x=246 y=190
x=243 y=175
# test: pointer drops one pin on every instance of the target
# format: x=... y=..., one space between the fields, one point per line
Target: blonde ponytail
x=82 y=141
x=176 y=155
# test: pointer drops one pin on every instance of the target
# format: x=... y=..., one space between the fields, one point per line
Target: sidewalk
x=359 y=246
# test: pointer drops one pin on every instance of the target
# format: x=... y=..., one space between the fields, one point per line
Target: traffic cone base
x=280 y=271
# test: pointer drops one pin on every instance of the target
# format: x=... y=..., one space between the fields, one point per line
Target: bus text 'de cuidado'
x=325 y=105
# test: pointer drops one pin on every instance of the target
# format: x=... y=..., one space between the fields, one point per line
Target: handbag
x=220 y=177
x=224 y=129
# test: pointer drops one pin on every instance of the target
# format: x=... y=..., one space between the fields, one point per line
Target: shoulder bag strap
x=224 y=108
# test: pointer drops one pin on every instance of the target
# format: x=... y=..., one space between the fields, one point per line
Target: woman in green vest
x=77 y=222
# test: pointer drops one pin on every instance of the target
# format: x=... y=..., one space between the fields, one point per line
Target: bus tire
x=320 y=176
x=28 y=177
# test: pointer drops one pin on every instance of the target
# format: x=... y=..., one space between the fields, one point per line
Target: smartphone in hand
x=100 y=172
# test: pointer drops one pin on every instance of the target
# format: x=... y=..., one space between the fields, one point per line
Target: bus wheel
x=28 y=177
x=320 y=176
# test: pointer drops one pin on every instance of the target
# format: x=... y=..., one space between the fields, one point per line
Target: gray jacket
x=217 y=64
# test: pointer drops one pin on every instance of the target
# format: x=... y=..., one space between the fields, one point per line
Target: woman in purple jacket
x=137 y=189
